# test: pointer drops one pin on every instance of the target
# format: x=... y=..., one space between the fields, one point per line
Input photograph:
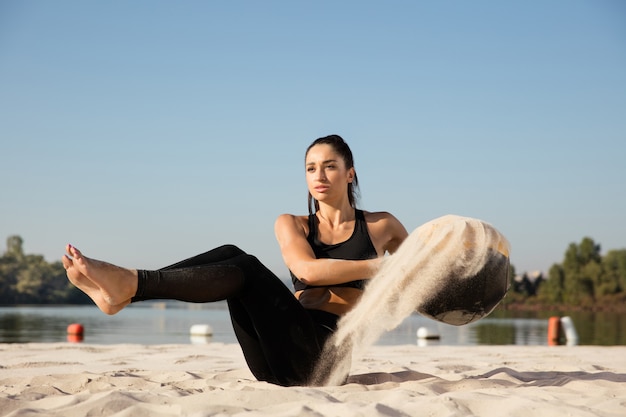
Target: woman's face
x=326 y=174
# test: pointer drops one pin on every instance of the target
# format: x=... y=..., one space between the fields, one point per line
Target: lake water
x=160 y=323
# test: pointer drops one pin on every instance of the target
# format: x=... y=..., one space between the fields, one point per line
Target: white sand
x=72 y=380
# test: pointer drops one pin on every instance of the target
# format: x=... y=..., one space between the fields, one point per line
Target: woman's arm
x=300 y=259
x=386 y=232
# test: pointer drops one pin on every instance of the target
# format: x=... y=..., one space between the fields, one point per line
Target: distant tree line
x=585 y=279
x=29 y=279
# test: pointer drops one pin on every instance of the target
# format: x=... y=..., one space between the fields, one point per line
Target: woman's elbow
x=306 y=274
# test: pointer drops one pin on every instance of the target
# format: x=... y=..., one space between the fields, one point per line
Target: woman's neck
x=335 y=216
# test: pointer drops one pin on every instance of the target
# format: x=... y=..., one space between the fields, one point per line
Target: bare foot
x=109 y=286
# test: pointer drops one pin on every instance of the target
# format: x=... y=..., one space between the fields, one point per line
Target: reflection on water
x=488 y=331
x=145 y=325
x=133 y=325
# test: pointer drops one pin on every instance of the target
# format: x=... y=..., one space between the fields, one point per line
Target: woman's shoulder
x=377 y=216
x=383 y=221
x=293 y=222
x=287 y=217
x=386 y=231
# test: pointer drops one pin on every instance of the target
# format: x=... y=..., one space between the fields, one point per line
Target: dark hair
x=342 y=148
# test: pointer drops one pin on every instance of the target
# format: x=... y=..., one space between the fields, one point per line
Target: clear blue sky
x=145 y=132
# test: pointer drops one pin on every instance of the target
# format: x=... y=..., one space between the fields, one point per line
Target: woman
x=330 y=254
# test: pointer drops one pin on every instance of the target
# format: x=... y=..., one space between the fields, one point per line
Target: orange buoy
x=554 y=331
x=75 y=329
x=74 y=338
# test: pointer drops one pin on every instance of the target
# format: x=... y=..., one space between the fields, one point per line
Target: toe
x=67 y=262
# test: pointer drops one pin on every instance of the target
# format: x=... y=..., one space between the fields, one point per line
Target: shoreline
x=72 y=380
x=540 y=307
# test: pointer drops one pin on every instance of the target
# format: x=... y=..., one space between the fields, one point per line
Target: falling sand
x=452 y=269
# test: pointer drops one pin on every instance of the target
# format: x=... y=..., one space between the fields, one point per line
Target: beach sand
x=72 y=380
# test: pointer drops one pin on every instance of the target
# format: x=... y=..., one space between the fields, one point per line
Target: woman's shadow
x=526 y=378
x=373 y=378
x=553 y=378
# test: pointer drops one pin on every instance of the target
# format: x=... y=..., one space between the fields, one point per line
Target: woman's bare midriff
x=336 y=300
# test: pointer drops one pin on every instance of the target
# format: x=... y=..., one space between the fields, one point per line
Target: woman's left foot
x=109 y=286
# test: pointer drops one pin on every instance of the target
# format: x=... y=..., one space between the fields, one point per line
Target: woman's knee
x=229 y=250
x=251 y=265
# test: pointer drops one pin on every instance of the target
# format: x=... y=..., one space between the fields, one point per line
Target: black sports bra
x=359 y=246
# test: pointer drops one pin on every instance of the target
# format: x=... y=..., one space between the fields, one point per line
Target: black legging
x=280 y=339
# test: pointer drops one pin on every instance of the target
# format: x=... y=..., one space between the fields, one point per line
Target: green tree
x=8 y=277
x=29 y=279
x=585 y=278
x=9 y=269
x=588 y=252
x=14 y=247
x=552 y=289
x=580 y=271
x=614 y=268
